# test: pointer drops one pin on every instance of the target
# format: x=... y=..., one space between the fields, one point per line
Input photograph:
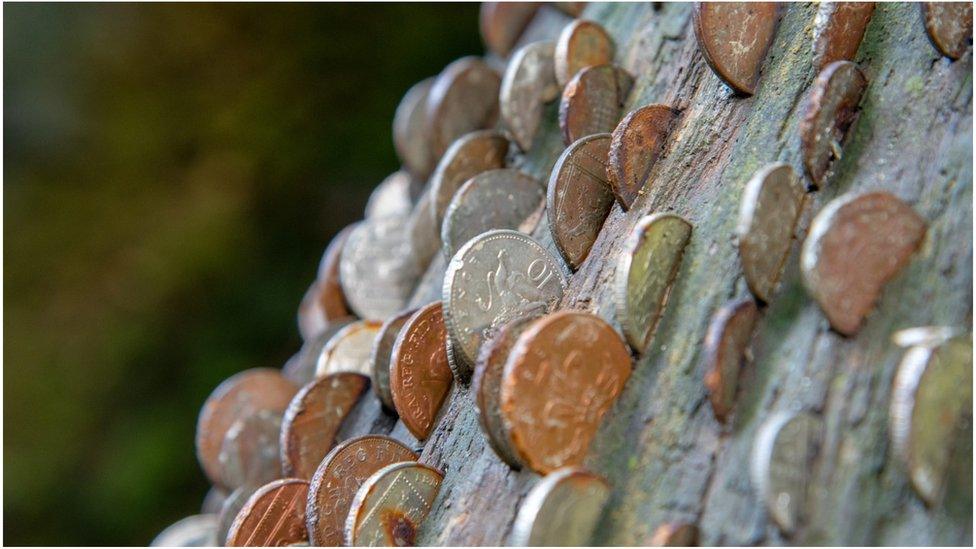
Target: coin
x=528 y=84
x=636 y=145
x=300 y=369
x=734 y=38
x=230 y=509
x=573 y=9
x=592 y=101
x=425 y=236
x=924 y=336
x=784 y=450
x=331 y=299
x=313 y=419
x=563 y=374
x=379 y=356
x=239 y=396
x=410 y=137
x=392 y=504
x=675 y=534
x=349 y=350
x=562 y=509
x=274 y=515
x=579 y=197
x=213 y=501
x=391 y=198
x=338 y=478
x=502 y=23
x=463 y=98
x=420 y=377
x=249 y=453
x=468 y=156
x=581 y=44
x=378 y=269
x=495 y=277
x=647 y=267
x=830 y=111
x=494 y=199
x=949 y=26
x=726 y=350
x=855 y=245
x=771 y=206
x=192 y=531
x=839 y=28
x=311 y=318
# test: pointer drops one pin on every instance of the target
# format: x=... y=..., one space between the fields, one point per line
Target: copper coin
x=192 y=531
x=592 y=101
x=839 y=29
x=391 y=198
x=830 y=112
x=231 y=508
x=392 y=504
x=949 y=26
x=502 y=23
x=581 y=44
x=339 y=476
x=579 y=197
x=675 y=534
x=855 y=245
x=331 y=299
x=379 y=267
x=379 y=356
x=300 y=368
x=734 y=38
x=349 y=350
x=313 y=419
x=240 y=396
x=250 y=452
x=410 y=137
x=528 y=84
x=563 y=374
x=637 y=143
x=468 y=156
x=464 y=98
x=272 y=516
x=311 y=317
x=785 y=446
x=419 y=374
x=563 y=509
x=726 y=351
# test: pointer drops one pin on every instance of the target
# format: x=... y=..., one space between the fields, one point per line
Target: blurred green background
x=172 y=174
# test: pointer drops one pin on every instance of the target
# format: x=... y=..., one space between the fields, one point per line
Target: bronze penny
x=390 y=507
x=502 y=23
x=311 y=318
x=391 y=198
x=581 y=44
x=830 y=112
x=379 y=356
x=468 y=156
x=726 y=351
x=734 y=38
x=463 y=98
x=855 y=245
x=240 y=396
x=339 y=476
x=637 y=143
x=579 y=197
x=949 y=26
x=410 y=137
x=419 y=374
x=675 y=534
x=528 y=84
x=313 y=419
x=300 y=368
x=272 y=517
x=231 y=508
x=839 y=29
x=250 y=453
x=332 y=301
x=592 y=101
x=349 y=350
x=563 y=374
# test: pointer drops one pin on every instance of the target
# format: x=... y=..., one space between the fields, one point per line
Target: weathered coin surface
x=231 y=508
x=192 y=531
x=331 y=299
x=771 y=206
x=238 y=397
x=379 y=356
x=562 y=509
x=726 y=351
x=250 y=452
x=855 y=245
x=495 y=277
x=273 y=516
x=592 y=101
x=581 y=44
x=782 y=457
x=838 y=30
x=637 y=143
x=468 y=156
x=501 y=24
x=420 y=377
x=830 y=111
x=378 y=269
x=734 y=38
x=425 y=236
x=924 y=336
x=410 y=137
x=391 y=198
x=311 y=318
x=349 y=350
x=563 y=374
x=573 y=9
x=464 y=98
x=213 y=500
x=949 y=26
x=528 y=84
x=313 y=419
x=675 y=534
x=300 y=368
x=646 y=270
x=391 y=505
x=339 y=476
x=494 y=199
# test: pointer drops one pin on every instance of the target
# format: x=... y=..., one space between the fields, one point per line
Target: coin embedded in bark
x=949 y=26
x=231 y=508
x=349 y=350
x=636 y=145
x=192 y=531
x=410 y=137
x=528 y=84
x=734 y=38
x=470 y=155
x=425 y=237
x=502 y=23
x=463 y=98
x=646 y=270
x=338 y=478
x=300 y=369
x=782 y=459
x=573 y=9
x=726 y=349
x=331 y=299
x=675 y=534
x=924 y=336
x=250 y=453
x=581 y=44
x=771 y=206
x=855 y=245
x=272 y=516
x=592 y=101
x=392 y=504
x=830 y=112
x=213 y=501
x=378 y=269
x=420 y=377
x=391 y=198
x=562 y=509
x=311 y=318
x=839 y=28
x=379 y=356
x=579 y=197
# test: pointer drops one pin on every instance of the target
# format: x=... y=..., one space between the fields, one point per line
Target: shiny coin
x=675 y=534
x=592 y=101
x=249 y=453
x=410 y=137
x=470 y=155
x=349 y=350
x=338 y=478
x=637 y=142
x=924 y=336
x=646 y=269
x=272 y=517
x=830 y=112
x=464 y=98
x=231 y=508
x=783 y=453
x=420 y=377
x=391 y=198
x=379 y=356
x=300 y=369
x=192 y=531
x=502 y=23
x=213 y=501
x=562 y=509
x=855 y=245
x=331 y=299
x=528 y=84
x=726 y=351
x=581 y=44
x=839 y=28
x=378 y=269
x=949 y=26
x=734 y=37
x=392 y=504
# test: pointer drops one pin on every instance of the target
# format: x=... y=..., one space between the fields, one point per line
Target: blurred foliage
x=172 y=174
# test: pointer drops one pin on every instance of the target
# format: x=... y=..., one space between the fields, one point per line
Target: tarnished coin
x=771 y=206
x=470 y=155
x=192 y=531
x=495 y=199
x=313 y=419
x=562 y=510
x=838 y=30
x=311 y=318
x=528 y=84
x=637 y=143
x=249 y=453
x=830 y=112
x=646 y=269
x=378 y=269
x=391 y=198
x=726 y=350
x=273 y=516
x=563 y=374
x=924 y=336
x=213 y=501
x=581 y=44
x=573 y=9
x=675 y=534
x=349 y=350
x=949 y=26
x=734 y=38
x=592 y=101
x=420 y=377
x=855 y=245
x=242 y=395
x=300 y=368
x=231 y=508
x=331 y=299
x=339 y=476
x=496 y=277
x=391 y=505
x=502 y=23
x=464 y=98
x=410 y=137
x=785 y=448
x=579 y=197
x=379 y=356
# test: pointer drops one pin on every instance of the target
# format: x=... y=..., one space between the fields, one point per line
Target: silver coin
x=192 y=531
x=249 y=453
x=529 y=83
x=924 y=336
x=470 y=155
x=300 y=368
x=391 y=198
x=782 y=456
x=232 y=506
x=379 y=356
x=563 y=509
x=349 y=350
x=213 y=501
x=378 y=268
x=410 y=138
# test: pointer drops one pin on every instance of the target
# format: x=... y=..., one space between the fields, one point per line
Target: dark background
x=172 y=174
